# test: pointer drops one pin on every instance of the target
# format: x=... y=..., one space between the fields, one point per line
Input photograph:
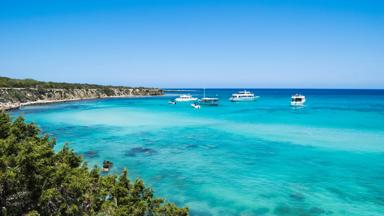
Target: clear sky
x=195 y=43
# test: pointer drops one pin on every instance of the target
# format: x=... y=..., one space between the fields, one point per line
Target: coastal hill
x=20 y=92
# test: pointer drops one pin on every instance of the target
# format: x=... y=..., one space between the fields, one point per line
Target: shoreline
x=17 y=105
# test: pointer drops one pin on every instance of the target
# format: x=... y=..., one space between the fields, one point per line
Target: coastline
x=17 y=105
x=16 y=93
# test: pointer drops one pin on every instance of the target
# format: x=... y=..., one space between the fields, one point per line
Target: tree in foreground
x=34 y=180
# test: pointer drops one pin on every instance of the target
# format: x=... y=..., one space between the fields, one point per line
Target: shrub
x=34 y=180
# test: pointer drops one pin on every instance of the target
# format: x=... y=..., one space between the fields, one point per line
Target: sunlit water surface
x=253 y=158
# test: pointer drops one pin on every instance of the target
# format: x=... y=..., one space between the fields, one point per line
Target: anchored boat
x=209 y=101
x=196 y=106
x=172 y=102
x=185 y=98
x=243 y=96
x=297 y=100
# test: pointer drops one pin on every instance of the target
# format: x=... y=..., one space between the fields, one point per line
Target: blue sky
x=176 y=43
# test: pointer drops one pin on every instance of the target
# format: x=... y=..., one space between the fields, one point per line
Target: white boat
x=185 y=98
x=172 y=102
x=243 y=96
x=196 y=106
x=209 y=101
x=297 y=100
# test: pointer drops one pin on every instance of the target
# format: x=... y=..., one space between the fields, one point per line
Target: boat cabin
x=297 y=100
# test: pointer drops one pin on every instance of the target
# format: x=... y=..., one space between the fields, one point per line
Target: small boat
x=172 y=102
x=196 y=106
x=297 y=100
x=107 y=165
x=243 y=96
x=209 y=101
x=185 y=98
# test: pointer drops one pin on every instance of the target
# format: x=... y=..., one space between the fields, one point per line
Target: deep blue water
x=252 y=158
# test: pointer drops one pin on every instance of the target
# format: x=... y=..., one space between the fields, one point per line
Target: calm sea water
x=252 y=158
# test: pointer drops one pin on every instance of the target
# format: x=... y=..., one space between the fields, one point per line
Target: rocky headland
x=16 y=93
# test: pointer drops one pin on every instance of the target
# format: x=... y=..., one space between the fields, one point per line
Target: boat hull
x=209 y=102
x=196 y=106
x=297 y=103
x=242 y=99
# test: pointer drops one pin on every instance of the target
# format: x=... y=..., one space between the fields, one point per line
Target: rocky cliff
x=11 y=98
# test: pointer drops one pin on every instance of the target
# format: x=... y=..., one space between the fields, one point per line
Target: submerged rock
x=261 y=211
x=140 y=150
x=91 y=154
x=297 y=196
x=288 y=210
x=283 y=210
x=192 y=146
x=316 y=211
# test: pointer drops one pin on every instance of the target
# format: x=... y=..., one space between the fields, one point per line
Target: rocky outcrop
x=11 y=98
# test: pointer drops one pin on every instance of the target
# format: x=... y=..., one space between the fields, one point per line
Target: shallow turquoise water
x=252 y=158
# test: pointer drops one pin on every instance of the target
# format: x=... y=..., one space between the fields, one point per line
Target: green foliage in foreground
x=34 y=180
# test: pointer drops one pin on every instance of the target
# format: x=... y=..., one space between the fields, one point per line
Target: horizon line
x=279 y=88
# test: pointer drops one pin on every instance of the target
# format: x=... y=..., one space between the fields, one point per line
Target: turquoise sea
x=251 y=158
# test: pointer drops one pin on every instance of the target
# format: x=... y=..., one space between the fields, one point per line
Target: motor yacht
x=297 y=100
x=185 y=98
x=243 y=96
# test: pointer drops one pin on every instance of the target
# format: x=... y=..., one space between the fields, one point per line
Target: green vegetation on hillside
x=6 y=82
x=34 y=180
